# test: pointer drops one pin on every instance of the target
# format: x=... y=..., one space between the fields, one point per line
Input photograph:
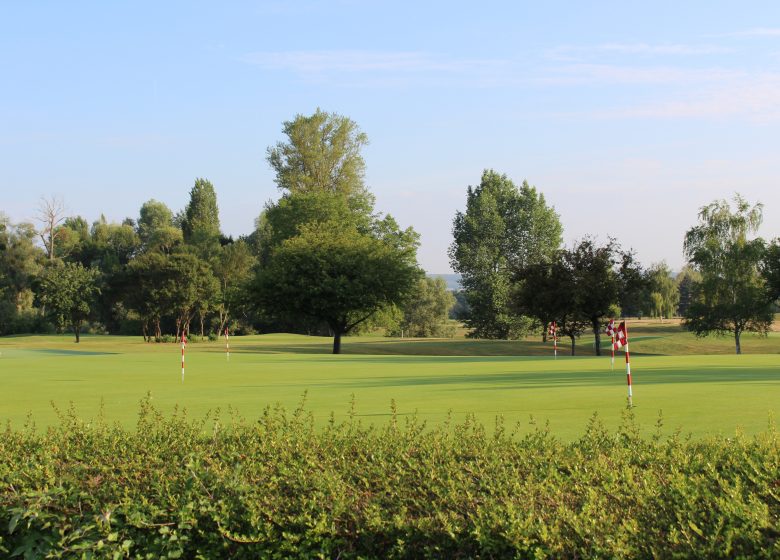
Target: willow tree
x=732 y=295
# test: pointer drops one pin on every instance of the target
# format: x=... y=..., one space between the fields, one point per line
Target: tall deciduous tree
x=321 y=154
x=20 y=262
x=732 y=296
x=156 y=228
x=200 y=223
x=337 y=275
x=503 y=230
x=68 y=293
x=595 y=282
x=631 y=285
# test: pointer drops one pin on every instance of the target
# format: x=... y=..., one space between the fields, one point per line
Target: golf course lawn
x=699 y=394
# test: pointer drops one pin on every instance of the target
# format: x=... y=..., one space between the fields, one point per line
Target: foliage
x=595 y=283
x=503 y=230
x=20 y=264
x=687 y=280
x=156 y=228
x=321 y=154
x=664 y=292
x=156 y=285
x=278 y=487
x=200 y=223
x=337 y=275
x=67 y=292
x=548 y=292
x=771 y=269
x=426 y=310
x=631 y=285
x=732 y=296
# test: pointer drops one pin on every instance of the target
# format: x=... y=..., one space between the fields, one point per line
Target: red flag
x=621 y=337
x=610 y=329
x=553 y=329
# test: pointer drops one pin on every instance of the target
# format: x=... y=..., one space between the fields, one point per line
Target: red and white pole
x=183 y=346
x=628 y=372
x=227 y=344
x=613 y=353
x=555 y=340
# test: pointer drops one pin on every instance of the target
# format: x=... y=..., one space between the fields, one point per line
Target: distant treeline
x=323 y=260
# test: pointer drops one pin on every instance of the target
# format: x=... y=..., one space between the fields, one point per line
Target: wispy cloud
x=752 y=98
x=321 y=65
x=610 y=74
x=580 y=52
x=753 y=32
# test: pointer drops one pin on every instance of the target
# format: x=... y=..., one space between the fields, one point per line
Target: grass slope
x=701 y=394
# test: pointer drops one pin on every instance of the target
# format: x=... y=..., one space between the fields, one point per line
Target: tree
x=20 y=263
x=321 y=154
x=426 y=311
x=232 y=269
x=594 y=282
x=68 y=293
x=631 y=285
x=51 y=213
x=336 y=275
x=503 y=230
x=548 y=291
x=732 y=296
x=771 y=269
x=200 y=223
x=686 y=280
x=663 y=292
x=156 y=229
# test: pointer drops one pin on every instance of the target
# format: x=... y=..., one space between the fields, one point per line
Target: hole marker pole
x=628 y=372
x=613 y=353
x=227 y=344
x=183 y=346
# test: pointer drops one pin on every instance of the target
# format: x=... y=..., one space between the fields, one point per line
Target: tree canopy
x=732 y=296
x=503 y=230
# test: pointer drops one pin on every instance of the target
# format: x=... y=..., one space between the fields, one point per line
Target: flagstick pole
x=612 y=361
x=628 y=372
x=227 y=344
x=183 y=344
x=555 y=341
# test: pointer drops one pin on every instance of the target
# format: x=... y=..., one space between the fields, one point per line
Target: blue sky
x=627 y=116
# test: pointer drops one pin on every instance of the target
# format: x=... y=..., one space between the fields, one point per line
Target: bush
x=278 y=487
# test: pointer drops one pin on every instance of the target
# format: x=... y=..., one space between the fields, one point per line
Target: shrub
x=279 y=488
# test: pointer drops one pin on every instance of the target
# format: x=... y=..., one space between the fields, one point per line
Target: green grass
x=715 y=393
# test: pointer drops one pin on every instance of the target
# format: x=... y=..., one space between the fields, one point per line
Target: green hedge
x=281 y=488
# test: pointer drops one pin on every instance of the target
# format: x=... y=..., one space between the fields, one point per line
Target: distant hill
x=452 y=280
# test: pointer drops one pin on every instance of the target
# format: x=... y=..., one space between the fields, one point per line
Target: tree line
x=323 y=260
x=518 y=277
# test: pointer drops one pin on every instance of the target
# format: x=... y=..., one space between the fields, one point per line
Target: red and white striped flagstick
x=227 y=344
x=555 y=340
x=628 y=369
x=613 y=353
x=183 y=346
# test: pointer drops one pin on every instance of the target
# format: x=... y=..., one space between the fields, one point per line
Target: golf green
x=699 y=394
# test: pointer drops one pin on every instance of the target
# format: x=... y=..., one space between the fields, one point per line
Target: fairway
x=712 y=394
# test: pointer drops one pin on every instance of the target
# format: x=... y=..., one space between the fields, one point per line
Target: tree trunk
x=202 y=318
x=337 y=342
x=77 y=330
x=597 y=333
x=572 y=344
x=737 y=334
x=545 y=328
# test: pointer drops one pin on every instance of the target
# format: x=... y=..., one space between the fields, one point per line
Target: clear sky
x=628 y=116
